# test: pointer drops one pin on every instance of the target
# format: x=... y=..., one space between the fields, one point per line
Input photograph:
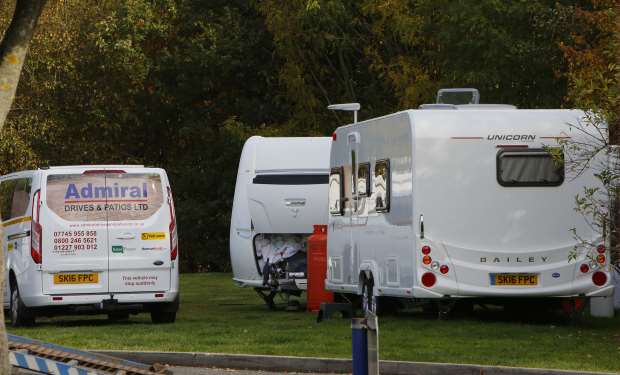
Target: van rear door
x=139 y=222
x=68 y=215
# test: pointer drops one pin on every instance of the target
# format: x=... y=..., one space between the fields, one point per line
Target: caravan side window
x=382 y=185
x=529 y=167
x=336 y=192
x=363 y=179
x=14 y=197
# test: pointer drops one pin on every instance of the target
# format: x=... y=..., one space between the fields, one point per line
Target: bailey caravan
x=454 y=202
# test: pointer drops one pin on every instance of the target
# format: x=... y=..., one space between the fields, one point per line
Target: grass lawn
x=217 y=316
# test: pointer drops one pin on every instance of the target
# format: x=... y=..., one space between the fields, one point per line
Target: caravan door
x=353 y=197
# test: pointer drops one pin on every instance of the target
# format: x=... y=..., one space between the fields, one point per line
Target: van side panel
x=15 y=198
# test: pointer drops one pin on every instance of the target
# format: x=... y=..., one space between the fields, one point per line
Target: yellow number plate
x=514 y=279
x=76 y=278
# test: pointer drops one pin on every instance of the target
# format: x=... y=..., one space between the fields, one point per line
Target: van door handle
x=158 y=262
x=126 y=236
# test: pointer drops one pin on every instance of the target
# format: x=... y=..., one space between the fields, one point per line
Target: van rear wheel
x=118 y=316
x=165 y=312
x=21 y=316
x=159 y=316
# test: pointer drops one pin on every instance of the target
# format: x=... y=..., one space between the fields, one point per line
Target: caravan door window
x=363 y=179
x=382 y=185
x=336 y=192
x=529 y=167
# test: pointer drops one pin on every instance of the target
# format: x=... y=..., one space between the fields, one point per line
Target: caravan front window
x=336 y=192
x=529 y=167
x=382 y=185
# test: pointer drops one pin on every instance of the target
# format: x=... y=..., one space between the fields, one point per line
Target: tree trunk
x=13 y=50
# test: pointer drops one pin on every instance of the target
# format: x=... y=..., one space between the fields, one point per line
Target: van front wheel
x=21 y=316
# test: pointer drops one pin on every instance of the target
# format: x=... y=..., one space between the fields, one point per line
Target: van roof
x=95 y=165
x=30 y=171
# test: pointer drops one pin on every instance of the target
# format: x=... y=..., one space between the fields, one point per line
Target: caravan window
x=529 y=167
x=336 y=192
x=14 y=197
x=363 y=179
x=382 y=185
x=353 y=173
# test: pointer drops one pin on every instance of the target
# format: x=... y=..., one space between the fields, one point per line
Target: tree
x=13 y=51
x=593 y=55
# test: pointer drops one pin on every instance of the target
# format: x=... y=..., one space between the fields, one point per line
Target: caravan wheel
x=369 y=300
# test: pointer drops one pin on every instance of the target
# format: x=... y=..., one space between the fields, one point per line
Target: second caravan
x=280 y=193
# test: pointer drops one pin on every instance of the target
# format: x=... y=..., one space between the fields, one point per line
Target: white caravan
x=89 y=239
x=281 y=192
x=459 y=201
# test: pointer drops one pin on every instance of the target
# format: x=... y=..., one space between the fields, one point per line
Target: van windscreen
x=101 y=197
x=529 y=167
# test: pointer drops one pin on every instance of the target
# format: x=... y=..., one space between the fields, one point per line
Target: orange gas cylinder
x=317 y=268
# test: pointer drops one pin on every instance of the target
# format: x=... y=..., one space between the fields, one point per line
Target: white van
x=280 y=193
x=89 y=239
x=460 y=202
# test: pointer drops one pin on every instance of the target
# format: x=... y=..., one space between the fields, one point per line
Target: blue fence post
x=360 y=346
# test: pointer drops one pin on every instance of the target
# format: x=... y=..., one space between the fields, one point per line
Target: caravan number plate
x=76 y=278
x=514 y=279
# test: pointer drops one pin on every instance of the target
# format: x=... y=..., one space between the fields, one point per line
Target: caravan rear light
x=444 y=269
x=601 y=249
x=159 y=295
x=584 y=268
x=427 y=260
x=599 y=278
x=36 y=230
x=435 y=265
x=174 y=239
x=601 y=258
x=429 y=279
x=334 y=136
x=56 y=298
x=426 y=250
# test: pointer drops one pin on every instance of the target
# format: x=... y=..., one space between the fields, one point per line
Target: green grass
x=216 y=316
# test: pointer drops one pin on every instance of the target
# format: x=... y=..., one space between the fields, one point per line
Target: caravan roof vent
x=458 y=96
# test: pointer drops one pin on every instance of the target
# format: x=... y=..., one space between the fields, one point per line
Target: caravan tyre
x=21 y=316
x=369 y=300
